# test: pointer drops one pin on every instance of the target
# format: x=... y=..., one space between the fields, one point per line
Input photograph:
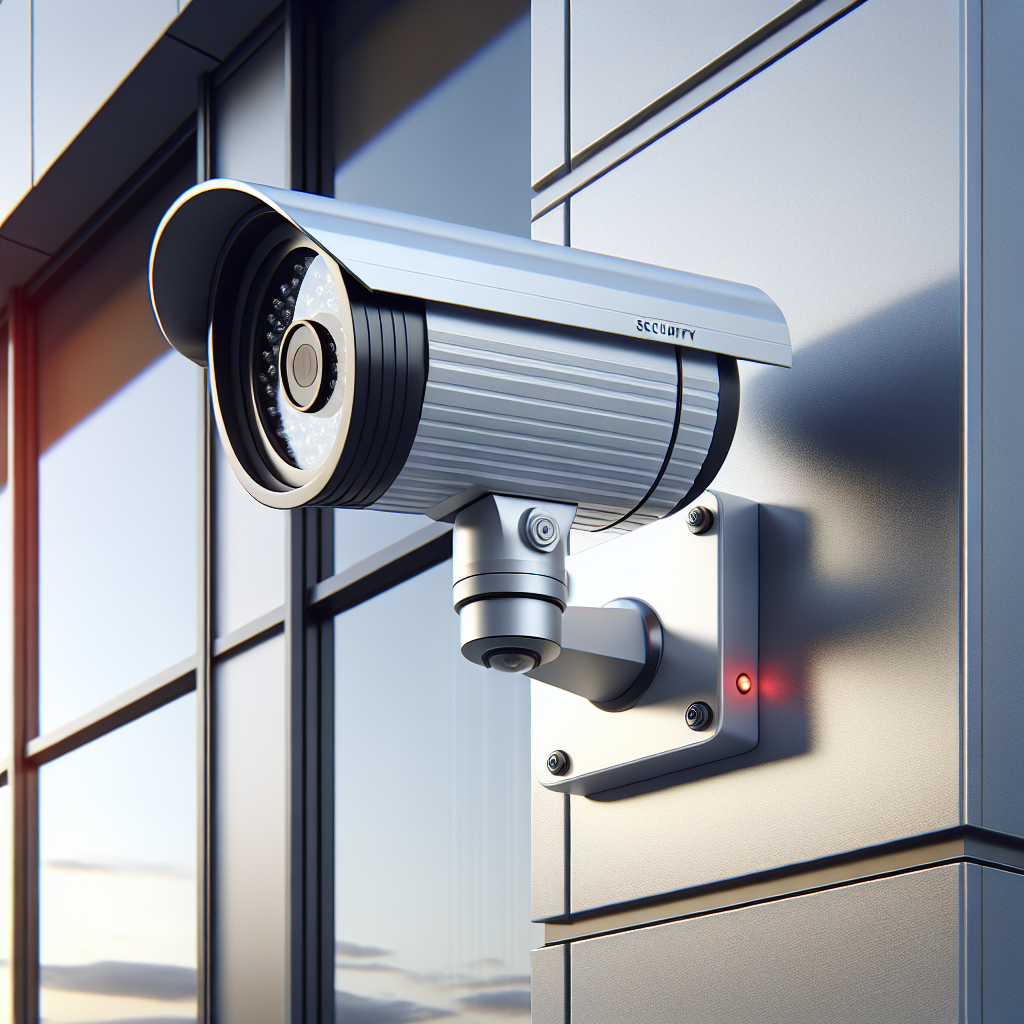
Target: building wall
x=824 y=160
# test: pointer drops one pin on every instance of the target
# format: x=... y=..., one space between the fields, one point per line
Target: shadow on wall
x=864 y=433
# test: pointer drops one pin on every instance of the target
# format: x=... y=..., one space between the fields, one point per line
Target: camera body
x=362 y=358
x=372 y=359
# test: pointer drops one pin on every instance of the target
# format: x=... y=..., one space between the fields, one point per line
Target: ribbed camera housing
x=426 y=395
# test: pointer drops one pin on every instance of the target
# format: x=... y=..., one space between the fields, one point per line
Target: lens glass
x=513 y=661
x=301 y=288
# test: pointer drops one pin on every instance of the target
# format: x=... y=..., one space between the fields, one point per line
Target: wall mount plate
x=704 y=590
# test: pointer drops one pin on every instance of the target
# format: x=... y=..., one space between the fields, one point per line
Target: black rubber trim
x=378 y=372
x=356 y=443
x=410 y=385
x=725 y=430
x=391 y=374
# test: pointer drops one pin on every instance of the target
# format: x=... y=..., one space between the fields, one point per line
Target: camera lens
x=306 y=350
x=513 y=661
x=298 y=361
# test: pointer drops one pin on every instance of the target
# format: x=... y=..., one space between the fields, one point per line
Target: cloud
x=495 y=981
x=506 y=1003
x=165 y=982
x=370 y=965
x=352 y=1009
x=354 y=950
x=149 y=1020
x=175 y=872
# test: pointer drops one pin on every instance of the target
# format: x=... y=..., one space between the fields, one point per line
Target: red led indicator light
x=743 y=683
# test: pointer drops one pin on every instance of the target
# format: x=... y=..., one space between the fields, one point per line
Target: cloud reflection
x=352 y=1009
x=149 y=1020
x=356 y=951
x=506 y=1003
x=174 y=872
x=165 y=982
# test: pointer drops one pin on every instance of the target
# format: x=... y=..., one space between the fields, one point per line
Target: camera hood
x=403 y=254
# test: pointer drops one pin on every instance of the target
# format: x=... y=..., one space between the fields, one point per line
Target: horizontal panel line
x=126 y=707
x=688 y=99
x=382 y=570
x=263 y=628
x=965 y=843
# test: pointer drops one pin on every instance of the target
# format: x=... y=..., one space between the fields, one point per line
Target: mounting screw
x=558 y=762
x=539 y=529
x=698 y=716
x=700 y=519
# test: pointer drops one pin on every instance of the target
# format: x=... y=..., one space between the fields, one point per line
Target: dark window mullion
x=22 y=776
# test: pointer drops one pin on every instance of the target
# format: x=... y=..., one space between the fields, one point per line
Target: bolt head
x=699 y=519
x=698 y=715
x=539 y=529
x=558 y=762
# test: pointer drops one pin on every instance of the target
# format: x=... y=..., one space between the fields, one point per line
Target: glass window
x=118 y=874
x=359 y=532
x=117 y=480
x=432 y=817
x=457 y=150
x=251 y=139
x=249 y=542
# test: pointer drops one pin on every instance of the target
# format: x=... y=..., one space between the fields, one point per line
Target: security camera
x=362 y=358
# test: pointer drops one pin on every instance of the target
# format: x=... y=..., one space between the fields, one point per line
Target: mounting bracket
x=703 y=589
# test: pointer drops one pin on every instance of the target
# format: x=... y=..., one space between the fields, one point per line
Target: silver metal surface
x=509 y=595
x=548 y=22
x=448 y=263
x=525 y=408
x=998 y=505
x=692 y=96
x=550 y=227
x=625 y=54
x=604 y=653
x=698 y=415
x=874 y=952
x=547 y=985
x=839 y=193
x=704 y=591
x=1001 y=941
x=549 y=852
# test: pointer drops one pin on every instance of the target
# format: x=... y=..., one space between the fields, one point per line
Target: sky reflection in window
x=433 y=826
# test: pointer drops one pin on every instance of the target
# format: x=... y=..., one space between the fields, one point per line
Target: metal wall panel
x=16 y=109
x=1002 y=939
x=624 y=55
x=830 y=180
x=551 y=226
x=548 y=833
x=548 y=23
x=547 y=985
x=1002 y=499
x=81 y=53
x=880 y=951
